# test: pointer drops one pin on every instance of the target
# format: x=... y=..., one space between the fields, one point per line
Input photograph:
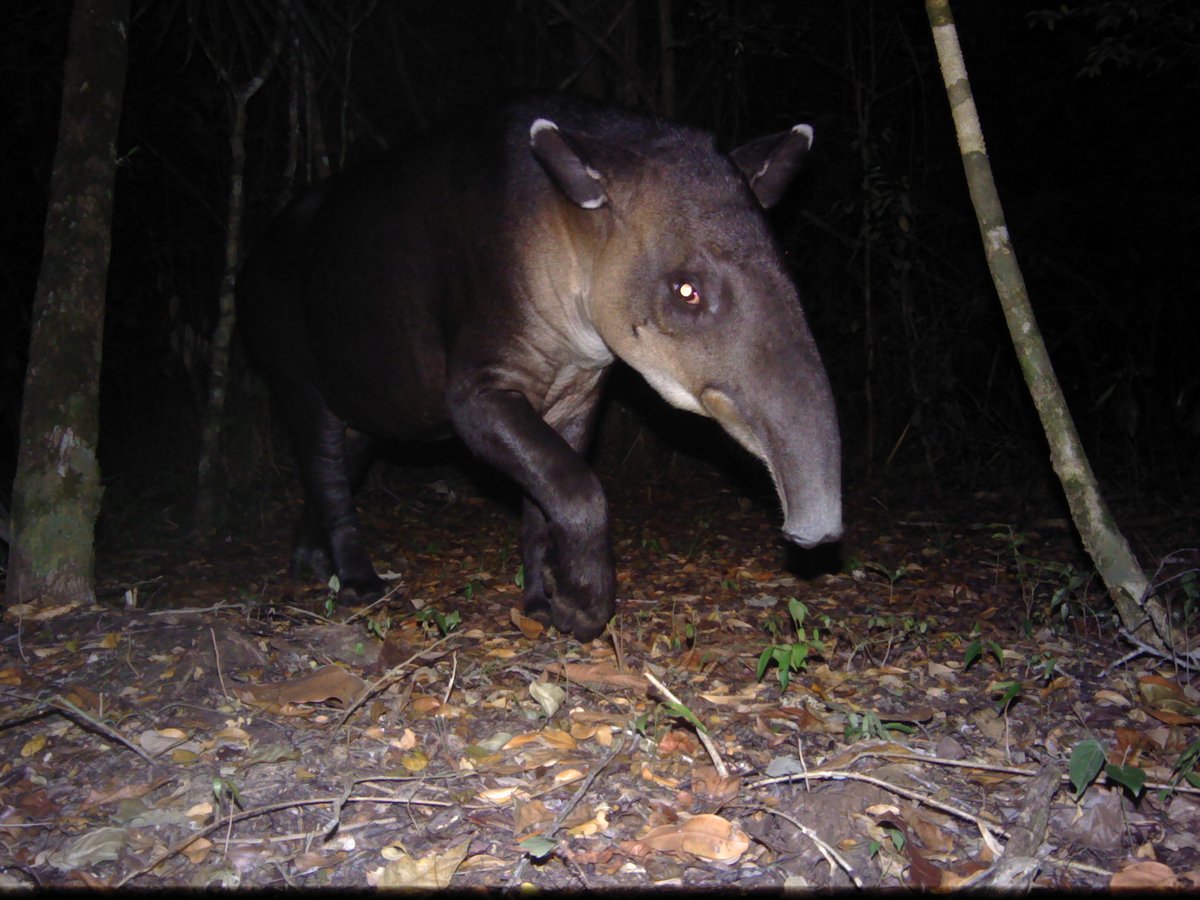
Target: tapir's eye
x=687 y=292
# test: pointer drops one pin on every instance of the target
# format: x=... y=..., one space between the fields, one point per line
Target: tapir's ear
x=769 y=163
x=565 y=165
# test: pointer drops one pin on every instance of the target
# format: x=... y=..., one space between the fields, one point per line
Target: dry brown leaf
x=314 y=859
x=1143 y=875
x=530 y=628
x=549 y=737
x=678 y=741
x=433 y=871
x=707 y=836
x=592 y=674
x=197 y=850
x=527 y=816
x=712 y=786
x=326 y=683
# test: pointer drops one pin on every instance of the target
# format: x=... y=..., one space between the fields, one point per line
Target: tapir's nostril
x=810 y=539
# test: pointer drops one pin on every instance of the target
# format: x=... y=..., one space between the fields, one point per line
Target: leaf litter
x=241 y=732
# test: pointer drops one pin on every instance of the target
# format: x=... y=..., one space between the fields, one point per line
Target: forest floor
x=211 y=722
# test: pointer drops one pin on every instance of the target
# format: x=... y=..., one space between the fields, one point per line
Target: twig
x=384 y=680
x=843 y=775
x=453 y=676
x=519 y=871
x=217 y=655
x=831 y=855
x=179 y=846
x=718 y=764
x=62 y=704
x=366 y=609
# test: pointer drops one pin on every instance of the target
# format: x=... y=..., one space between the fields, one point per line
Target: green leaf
x=1087 y=759
x=974 y=651
x=1012 y=690
x=1131 y=778
x=764 y=660
x=678 y=709
x=538 y=847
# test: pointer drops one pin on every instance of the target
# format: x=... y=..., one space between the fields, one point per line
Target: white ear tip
x=805 y=130
x=540 y=125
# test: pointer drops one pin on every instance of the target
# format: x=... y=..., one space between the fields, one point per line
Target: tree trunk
x=1142 y=615
x=210 y=431
x=56 y=492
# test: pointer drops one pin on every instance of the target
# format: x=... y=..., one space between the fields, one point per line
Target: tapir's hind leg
x=310 y=548
x=333 y=460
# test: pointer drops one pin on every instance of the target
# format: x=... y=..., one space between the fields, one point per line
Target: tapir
x=481 y=281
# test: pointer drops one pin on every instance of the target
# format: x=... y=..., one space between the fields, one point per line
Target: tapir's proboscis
x=480 y=283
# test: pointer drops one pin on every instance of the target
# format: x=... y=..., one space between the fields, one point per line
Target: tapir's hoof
x=310 y=559
x=584 y=625
x=361 y=591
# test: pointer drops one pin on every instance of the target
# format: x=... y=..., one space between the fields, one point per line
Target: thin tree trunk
x=210 y=432
x=1141 y=614
x=57 y=490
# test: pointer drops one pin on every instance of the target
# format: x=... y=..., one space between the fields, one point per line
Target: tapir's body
x=481 y=282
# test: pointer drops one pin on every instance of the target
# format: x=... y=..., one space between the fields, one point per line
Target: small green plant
x=894 y=836
x=653 y=546
x=864 y=726
x=1185 y=768
x=335 y=585
x=1088 y=761
x=379 y=626
x=978 y=647
x=791 y=656
x=519 y=578
x=432 y=619
x=1009 y=691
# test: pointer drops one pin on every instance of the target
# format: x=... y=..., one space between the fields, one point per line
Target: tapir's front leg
x=503 y=429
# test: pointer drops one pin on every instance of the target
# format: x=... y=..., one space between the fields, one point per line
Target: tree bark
x=1141 y=614
x=210 y=432
x=57 y=490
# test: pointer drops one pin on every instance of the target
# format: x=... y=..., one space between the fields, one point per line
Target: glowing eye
x=686 y=291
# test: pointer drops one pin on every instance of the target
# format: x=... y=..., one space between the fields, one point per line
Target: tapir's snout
x=815 y=536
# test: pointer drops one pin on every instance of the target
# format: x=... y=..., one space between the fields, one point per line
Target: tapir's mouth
x=812 y=511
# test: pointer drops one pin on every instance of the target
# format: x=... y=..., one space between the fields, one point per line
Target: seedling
x=893 y=835
x=793 y=656
x=335 y=585
x=1009 y=691
x=1088 y=761
x=444 y=623
x=867 y=725
x=977 y=648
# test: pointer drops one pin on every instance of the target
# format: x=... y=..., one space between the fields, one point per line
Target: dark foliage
x=1086 y=117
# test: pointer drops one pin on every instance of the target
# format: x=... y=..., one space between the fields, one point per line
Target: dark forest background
x=1087 y=110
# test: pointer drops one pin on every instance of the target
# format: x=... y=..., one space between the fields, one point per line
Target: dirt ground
x=210 y=722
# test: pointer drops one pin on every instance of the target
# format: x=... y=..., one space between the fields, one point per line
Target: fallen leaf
x=593 y=674
x=528 y=815
x=593 y=826
x=1142 y=875
x=530 y=628
x=197 y=850
x=33 y=746
x=710 y=785
x=548 y=696
x=326 y=683
x=433 y=871
x=706 y=836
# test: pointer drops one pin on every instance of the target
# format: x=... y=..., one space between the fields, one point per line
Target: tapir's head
x=687 y=286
